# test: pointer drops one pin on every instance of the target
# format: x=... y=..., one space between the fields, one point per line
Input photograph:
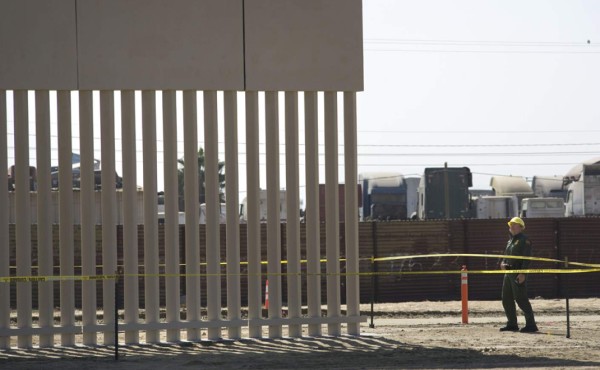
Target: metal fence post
x=566 y=290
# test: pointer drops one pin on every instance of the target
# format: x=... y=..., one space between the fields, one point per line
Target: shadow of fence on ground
x=326 y=352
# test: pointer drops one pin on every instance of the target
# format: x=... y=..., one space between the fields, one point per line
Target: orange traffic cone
x=267 y=295
x=464 y=294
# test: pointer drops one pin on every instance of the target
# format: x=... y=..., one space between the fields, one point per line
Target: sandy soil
x=416 y=335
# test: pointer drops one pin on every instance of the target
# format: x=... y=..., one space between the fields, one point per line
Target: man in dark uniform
x=514 y=287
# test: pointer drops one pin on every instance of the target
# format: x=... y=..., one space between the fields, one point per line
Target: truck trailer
x=583 y=190
x=384 y=196
x=512 y=186
x=444 y=193
x=496 y=207
x=542 y=207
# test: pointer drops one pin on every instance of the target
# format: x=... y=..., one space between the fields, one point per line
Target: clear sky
x=502 y=86
x=513 y=77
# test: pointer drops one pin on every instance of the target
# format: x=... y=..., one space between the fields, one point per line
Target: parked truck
x=542 y=207
x=496 y=207
x=384 y=196
x=412 y=196
x=263 y=207
x=583 y=190
x=444 y=193
x=512 y=186
x=548 y=187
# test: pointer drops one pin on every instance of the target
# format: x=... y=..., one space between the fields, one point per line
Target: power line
x=486 y=154
x=586 y=43
x=395 y=165
x=429 y=132
x=480 y=46
x=399 y=145
x=404 y=132
x=483 y=51
x=461 y=164
x=469 y=145
x=443 y=154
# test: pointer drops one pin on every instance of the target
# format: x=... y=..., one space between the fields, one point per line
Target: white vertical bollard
x=23 y=223
x=233 y=227
x=213 y=245
x=192 y=241
x=151 y=281
x=4 y=247
x=109 y=209
x=273 y=211
x=294 y=291
x=171 y=212
x=332 y=212
x=130 y=223
x=253 y=213
x=313 y=230
x=65 y=187
x=44 y=213
x=88 y=222
x=351 y=209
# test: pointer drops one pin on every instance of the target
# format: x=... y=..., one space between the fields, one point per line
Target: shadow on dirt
x=321 y=352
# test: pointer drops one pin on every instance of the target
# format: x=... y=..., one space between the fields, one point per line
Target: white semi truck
x=512 y=186
x=583 y=190
x=548 y=187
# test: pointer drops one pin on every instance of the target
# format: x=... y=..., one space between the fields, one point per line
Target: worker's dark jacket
x=518 y=245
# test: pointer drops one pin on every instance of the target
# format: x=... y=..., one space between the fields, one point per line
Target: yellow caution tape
x=392 y=258
x=22 y=279
x=528 y=271
x=592 y=268
x=284 y=262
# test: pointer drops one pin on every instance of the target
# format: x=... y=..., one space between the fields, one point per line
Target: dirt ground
x=413 y=335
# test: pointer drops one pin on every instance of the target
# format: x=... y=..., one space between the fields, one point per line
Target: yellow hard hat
x=516 y=220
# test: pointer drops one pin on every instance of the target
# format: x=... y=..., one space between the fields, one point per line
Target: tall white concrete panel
x=303 y=45
x=160 y=44
x=38 y=45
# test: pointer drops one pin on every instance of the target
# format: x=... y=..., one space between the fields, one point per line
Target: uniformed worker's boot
x=509 y=328
x=529 y=329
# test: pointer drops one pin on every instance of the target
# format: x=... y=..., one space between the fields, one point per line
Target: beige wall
x=304 y=45
x=159 y=44
x=181 y=44
x=38 y=44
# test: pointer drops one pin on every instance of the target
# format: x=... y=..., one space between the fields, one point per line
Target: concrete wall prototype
x=193 y=57
x=266 y=45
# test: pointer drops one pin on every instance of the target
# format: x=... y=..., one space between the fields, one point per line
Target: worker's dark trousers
x=511 y=292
